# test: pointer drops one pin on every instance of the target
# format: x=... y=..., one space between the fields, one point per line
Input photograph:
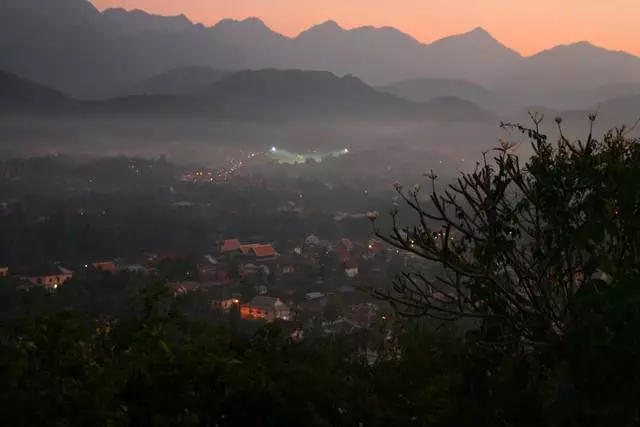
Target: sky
x=525 y=26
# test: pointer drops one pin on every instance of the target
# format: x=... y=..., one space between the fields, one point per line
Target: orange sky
x=525 y=26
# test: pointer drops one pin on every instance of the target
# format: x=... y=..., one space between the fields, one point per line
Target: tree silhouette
x=524 y=246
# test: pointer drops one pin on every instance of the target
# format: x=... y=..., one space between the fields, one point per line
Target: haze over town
x=354 y=213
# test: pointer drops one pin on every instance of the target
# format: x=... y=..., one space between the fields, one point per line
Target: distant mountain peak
x=330 y=24
x=479 y=33
x=327 y=27
x=253 y=20
x=582 y=47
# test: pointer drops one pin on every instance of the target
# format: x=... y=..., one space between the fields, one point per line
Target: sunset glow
x=526 y=27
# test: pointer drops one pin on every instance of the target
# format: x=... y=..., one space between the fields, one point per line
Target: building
x=107 y=266
x=230 y=245
x=225 y=304
x=181 y=288
x=260 y=252
x=351 y=268
x=312 y=240
x=265 y=308
x=49 y=276
x=208 y=266
x=135 y=268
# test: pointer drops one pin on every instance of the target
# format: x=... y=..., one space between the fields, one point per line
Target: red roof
x=263 y=251
x=230 y=245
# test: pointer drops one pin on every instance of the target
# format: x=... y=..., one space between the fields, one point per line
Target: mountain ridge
x=248 y=95
x=91 y=54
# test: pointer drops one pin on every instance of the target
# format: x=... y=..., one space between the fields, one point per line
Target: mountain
x=376 y=55
x=71 y=46
x=617 y=112
x=302 y=93
x=288 y=95
x=132 y=23
x=18 y=94
x=61 y=44
x=320 y=93
x=256 y=45
x=561 y=76
x=424 y=90
x=476 y=56
x=607 y=92
x=453 y=109
x=613 y=113
x=384 y=55
x=179 y=81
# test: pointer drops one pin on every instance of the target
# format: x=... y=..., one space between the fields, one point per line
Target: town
x=303 y=262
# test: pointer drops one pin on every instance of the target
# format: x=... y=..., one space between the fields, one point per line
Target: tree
x=332 y=311
x=247 y=288
x=538 y=255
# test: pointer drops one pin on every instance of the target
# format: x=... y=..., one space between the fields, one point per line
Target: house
x=225 y=304
x=180 y=288
x=288 y=269
x=351 y=268
x=4 y=271
x=107 y=266
x=314 y=295
x=265 y=308
x=49 y=276
x=230 y=245
x=312 y=240
x=207 y=266
x=261 y=252
x=134 y=268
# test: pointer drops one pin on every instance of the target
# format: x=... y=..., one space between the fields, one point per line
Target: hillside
x=294 y=92
x=562 y=76
x=73 y=47
x=18 y=94
x=424 y=90
x=179 y=81
x=289 y=94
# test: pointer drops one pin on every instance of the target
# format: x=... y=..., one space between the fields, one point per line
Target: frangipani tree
x=524 y=246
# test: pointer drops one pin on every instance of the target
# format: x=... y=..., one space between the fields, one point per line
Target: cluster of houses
x=219 y=273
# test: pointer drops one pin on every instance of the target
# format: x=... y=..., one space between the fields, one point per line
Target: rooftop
x=230 y=245
x=260 y=250
x=270 y=303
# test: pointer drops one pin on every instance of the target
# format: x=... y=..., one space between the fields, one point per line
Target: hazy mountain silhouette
x=287 y=94
x=179 y=81
x=295 y=92
x=61 y=44
x=561 y=76
x=453 y=109
x=377 y=55
x=424 y=90
x=131 y=23
x=18 y=94
x=71 y=46
x=624 y=110
x=474 y=56
x=607 y=92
